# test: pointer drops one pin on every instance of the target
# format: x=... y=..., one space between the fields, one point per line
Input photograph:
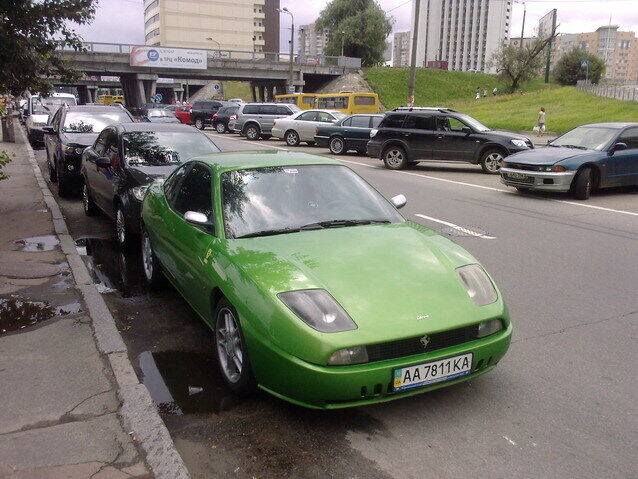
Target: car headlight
x=139 y=192
x=520 y=143
x=318 y=309
x=477 y=283
x=79 y=150
x=66 y=148
x=555 y=168
x=356 y=355
x=489 y=327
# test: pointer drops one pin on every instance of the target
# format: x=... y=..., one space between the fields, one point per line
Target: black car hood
x=83 y=139
x=143 y=175
x=507 y=134
x=545 y=156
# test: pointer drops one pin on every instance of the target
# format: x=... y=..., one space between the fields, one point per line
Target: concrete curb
x=137 y=413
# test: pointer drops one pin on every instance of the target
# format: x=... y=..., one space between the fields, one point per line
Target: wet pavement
x=18 y=313
x=38 y=243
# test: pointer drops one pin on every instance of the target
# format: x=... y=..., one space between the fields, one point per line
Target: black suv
x=223 y=115
x=68 y=133
x=203 y=110
x=407 y=136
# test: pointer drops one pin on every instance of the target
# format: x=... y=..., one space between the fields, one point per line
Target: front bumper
x=322 y=141
x=373 y=149
x=233 y=126
x=323 y=387
x=537 y=180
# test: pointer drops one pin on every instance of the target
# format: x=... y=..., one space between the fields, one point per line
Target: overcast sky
x=121 y=21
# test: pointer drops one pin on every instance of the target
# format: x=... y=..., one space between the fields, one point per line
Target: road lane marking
x=509 y=192
x=458 y=228
x=245 y=141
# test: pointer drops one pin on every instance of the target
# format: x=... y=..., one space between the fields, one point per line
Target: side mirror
x=399 y=201
x=549 y=142
x=48 y=130
x=198 y=219
x=103 y=162
x=618 y=147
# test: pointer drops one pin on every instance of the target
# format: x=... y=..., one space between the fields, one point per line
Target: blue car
x=600 y=155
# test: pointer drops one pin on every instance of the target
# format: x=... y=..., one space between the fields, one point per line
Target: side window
x=324 y=117
x=630 y=137
x=268 y=110
x=55 y=120
x=346 y=122
x=110 y=147
x=99 y=143
x=283 y=110
x=195 y=192
x=172 y=183
x=392 y=121
x=308 y=100
x=364 y=100
x=197 y=105
x=376 y=121
x=361 y=121
x=456 y=124
x=418 y=122
x=443 y=123
x=308 y=116
x=250 y=110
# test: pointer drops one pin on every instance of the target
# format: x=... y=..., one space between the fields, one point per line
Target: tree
x=516 y=65
x=30 y=31
x=362 y=26
x=569 y=68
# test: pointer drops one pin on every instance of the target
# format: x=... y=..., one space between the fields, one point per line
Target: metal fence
x=238 y=55
x=619 y=92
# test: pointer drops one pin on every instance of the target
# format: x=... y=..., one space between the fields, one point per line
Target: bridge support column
x=85 y=94
x=253 y=91
x=138 y=88
x=262 y=93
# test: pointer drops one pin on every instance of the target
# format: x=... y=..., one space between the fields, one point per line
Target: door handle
x=406 y=134
x=440 y=137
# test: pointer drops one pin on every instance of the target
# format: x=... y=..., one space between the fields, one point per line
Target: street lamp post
x=291 y=79
x=343 y=37
x=523 y=27
x=219 y=47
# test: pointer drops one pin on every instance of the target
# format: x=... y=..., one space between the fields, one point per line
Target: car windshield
x=92 y=122
x=158 y=148
x=49 y=105
x=339 y=115
x=160 y=113
x=475 y=124
x=294 y=108
x=586 y=137
x=282 y=199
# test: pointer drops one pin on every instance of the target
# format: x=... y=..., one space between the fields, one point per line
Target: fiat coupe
x=316 y=288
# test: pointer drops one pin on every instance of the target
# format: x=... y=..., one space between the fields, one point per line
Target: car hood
x=164 y=120
x=39 y=118
x=83 y=139
x=143 y=175
x=545 y=156
x=508 y=135
x=394 y=280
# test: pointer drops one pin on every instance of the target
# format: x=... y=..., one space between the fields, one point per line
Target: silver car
x=255 y=120
x=303 y=125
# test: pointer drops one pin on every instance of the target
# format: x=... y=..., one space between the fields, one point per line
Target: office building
x=243 y=25
x=311 y=41
x=401 y=49
x=463 y=33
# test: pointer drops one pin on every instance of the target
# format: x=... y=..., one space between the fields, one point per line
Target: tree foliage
x=569 y=68
x=516 y=65
x=365 y=27
x=30 y=31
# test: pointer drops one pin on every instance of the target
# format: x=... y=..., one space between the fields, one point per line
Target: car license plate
x=432 y=372
x=517 y=176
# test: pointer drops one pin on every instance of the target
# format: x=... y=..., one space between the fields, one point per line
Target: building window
x=151 y=6
x=152 y=34
x=153 y=19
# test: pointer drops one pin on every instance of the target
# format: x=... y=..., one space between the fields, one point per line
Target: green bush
x=569 y=68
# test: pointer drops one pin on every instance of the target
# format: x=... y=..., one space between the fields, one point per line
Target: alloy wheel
x=394 y=157
x=120 y=226
x=336 y=146
x=292 y=139
x=147 y=257
x=85 y=199
x=229 y=345
x=220 y=128
x=493 y=162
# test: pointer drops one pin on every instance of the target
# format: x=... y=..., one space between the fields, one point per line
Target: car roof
x=145 y=126
x=95 y=108
x=243 y=160
x=615 y=125
x=417 y=109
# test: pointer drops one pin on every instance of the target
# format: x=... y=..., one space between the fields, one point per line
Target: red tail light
x=215 y=115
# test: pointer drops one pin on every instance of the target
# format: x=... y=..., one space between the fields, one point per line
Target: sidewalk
x=63 y=410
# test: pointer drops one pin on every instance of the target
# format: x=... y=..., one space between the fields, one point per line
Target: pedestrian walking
x=540 y=124
x=485 y=93
x=495 y=91
x=478 y=93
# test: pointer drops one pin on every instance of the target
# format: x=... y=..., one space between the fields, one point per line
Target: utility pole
x=291 y=85
x=343 y=36
x=523 y=27
x=415 y=37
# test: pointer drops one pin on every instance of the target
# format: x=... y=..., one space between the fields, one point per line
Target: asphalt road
x=562 y=403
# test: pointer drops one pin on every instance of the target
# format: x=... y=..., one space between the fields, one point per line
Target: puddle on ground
x=17 y=313
x=111 y=268
x=185 y=382
x=38 y=243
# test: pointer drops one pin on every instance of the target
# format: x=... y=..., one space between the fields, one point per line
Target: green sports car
x=317 y=289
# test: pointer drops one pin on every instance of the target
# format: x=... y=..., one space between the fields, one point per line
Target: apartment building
x=401 y=49
x=311 y=41
x=244 y=25
x=463 y=33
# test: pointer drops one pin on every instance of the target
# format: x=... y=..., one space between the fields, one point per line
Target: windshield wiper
x=272 y=232
x=340 y=223
x=574 y=146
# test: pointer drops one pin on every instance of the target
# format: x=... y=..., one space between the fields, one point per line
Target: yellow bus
x=349 y=102
x=305 y=101
x=105 y=99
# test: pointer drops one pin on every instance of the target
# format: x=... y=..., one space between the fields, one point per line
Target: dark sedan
x=351 y=133
x=125 y=159
x=599 y=155
x=158 y=115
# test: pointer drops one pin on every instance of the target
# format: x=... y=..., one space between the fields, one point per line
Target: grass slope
x=237 y=89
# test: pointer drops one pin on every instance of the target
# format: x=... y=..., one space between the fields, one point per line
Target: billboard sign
x=547 y=25
x=160 y=57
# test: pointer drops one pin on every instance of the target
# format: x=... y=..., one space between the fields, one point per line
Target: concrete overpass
x=269 y=73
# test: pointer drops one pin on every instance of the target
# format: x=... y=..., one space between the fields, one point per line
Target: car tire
x=583 y=184
x=53 y=177
x=310 y=143
x=394 y=158
x=252 y=132
x=522 y=189
x=89 y=206
x=199 y=124
x=491 y=160
x=220 y=127
x=229 y=344
x=292 y=138
x=266 y=137
x=123 y=233
x=151 y=267
x=337 y=145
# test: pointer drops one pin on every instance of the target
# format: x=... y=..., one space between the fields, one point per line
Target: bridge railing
x=238 y=55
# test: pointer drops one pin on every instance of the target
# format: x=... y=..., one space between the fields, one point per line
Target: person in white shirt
x=541 y=122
